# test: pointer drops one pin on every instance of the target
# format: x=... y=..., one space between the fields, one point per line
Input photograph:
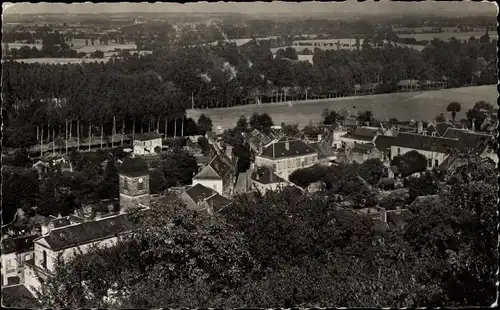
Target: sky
x=349 y=6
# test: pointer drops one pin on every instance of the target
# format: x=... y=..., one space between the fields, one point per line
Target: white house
x=146 y=143
x=286 y=155
x=264 y=180
x=217 y=175
x=68 y=240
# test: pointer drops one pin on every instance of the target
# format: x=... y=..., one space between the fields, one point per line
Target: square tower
x=134 y=184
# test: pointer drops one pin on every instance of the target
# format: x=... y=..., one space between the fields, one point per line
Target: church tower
x=134 y=185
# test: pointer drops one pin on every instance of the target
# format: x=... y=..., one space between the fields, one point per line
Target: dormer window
x=434 y=134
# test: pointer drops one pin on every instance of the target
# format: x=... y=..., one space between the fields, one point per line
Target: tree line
x=151 y=91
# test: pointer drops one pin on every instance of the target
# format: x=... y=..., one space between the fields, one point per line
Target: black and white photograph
x=249 y=155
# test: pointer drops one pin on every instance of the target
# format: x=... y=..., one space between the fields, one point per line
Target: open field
x=446 y=36
x=424 y=105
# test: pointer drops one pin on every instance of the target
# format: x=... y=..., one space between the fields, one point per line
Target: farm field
x=446 y=36
x=424 y=105
x=61 y=61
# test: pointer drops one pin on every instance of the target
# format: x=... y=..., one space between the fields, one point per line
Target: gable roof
x=265 y=175
x=216 y=169
x=279 y=149
x=199 y=193
x=18 y=245
x=439 y=128
x=216 y=203
x=147 y=136
x=87 y=232
x=425 y=143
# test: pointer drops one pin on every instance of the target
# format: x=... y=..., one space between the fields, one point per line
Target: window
x=297 y=162
x=429 y=162
x=399 y=151
x=140 y=186
x=125 y=184
x=436 y=163
x=44 y=259
x=434 y=134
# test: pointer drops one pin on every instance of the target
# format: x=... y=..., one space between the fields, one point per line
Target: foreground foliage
x=285 y=249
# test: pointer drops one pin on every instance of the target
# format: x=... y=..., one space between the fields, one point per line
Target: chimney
x=76 y=213
x=287 y=145
x=383 y=215
x=98 y=216
x=398 y=210
x=59 y=215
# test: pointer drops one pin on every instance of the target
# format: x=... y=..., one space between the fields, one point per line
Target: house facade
x=287 y=155
x=68 y=241
x=146 y=143
x=216 y=175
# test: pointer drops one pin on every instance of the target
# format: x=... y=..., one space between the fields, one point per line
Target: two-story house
x=147 y=143
x=68 y=241
x=217 y=175
x=286 y=155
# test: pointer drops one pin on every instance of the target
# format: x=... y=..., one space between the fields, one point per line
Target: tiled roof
x=199 y=193
x=384 y=142
x=362 y=148
x=468 y=140
x=265 y=175
x=20 y=244
x=217 y=202
x=216 y=169
x=87 y=232
x=362 y=133
x=323 y=149
x=295 y=148
x=147 y=136
x=425 y=143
